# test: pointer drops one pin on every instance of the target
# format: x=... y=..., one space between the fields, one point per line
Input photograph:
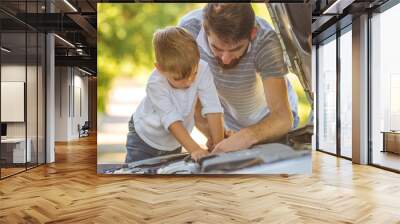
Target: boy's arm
x=215 y=127
x=171 y=119
x=200 y=121
x=180 y=133
x=209 y=104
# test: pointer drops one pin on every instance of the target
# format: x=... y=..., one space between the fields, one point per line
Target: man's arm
x=280 y=119
x=272 y=127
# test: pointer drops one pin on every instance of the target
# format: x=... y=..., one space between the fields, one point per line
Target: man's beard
x=232 y=64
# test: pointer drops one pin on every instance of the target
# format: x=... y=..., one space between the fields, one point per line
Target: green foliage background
x=125 y=33
x=124 y=42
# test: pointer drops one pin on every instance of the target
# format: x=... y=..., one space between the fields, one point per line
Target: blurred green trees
x=124 y=36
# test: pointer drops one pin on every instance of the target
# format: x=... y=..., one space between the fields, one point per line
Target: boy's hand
x=199 y=153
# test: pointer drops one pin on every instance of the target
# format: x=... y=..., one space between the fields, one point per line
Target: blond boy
x=164 y=119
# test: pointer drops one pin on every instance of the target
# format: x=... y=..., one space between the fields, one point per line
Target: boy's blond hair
x=176 y=51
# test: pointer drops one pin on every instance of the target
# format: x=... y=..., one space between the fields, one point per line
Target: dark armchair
x=84 y=130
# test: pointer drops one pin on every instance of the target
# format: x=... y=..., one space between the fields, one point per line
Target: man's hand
x=228 y=133
x=199 y=153
x=243 y=139
x=210 y=144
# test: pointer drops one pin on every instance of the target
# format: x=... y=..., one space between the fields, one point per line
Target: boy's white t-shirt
x=164 y=105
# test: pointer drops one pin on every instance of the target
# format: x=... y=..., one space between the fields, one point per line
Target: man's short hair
x=230 y=22
x=176 y=51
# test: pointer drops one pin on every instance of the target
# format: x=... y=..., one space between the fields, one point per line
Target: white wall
x=61 y=103
x=16 y=73
x=71 y=88
x=11 y=73
x=33 y=126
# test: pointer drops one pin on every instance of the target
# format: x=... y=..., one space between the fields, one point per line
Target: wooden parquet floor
x=70 y=191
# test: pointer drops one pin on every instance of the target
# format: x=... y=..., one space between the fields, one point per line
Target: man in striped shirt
x=246 y=59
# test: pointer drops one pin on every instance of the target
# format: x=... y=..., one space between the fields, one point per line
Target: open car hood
x=271 y=158
x=294 y=31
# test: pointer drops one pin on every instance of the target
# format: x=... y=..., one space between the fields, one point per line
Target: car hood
x=274 y=158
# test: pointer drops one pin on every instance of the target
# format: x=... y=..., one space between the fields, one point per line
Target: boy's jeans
x=137 y=149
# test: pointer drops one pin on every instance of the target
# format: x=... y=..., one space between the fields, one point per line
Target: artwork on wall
x=12 y=101
x=180 y=95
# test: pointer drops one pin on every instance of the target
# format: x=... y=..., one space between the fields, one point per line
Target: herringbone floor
x=70 y=191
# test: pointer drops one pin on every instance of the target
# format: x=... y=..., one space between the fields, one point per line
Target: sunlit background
x=125 y=60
